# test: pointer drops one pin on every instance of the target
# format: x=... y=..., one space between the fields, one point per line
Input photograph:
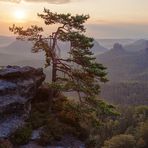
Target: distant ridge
x=5 y=40
x=137 y=45
x=19 y=46
x=122 y=64
x=108 y=43
x=127 y=74
x=98 y=48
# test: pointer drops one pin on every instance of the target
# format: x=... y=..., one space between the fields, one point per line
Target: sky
x=108 y=18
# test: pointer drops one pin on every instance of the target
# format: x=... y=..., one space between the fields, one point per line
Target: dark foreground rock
x=66 y=142
x=18 y=85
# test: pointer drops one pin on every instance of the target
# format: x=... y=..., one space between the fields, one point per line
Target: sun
x=20 y=14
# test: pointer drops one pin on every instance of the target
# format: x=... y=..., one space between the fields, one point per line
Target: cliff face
x=18 y=85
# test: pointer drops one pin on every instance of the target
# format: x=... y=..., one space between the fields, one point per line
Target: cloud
x=48 y=1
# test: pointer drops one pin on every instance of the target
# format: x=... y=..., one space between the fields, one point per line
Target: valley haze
x=125 y=59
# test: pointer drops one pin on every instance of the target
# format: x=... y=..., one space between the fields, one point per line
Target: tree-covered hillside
x=128 y=75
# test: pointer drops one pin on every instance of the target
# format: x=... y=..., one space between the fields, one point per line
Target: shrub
x=39 y=114
x=141 y=143
x=38 y=119
x=142 y=134
x=45 y=138
x=21 y=136
x=120 y=141
x=93 y=142
x=52 y=131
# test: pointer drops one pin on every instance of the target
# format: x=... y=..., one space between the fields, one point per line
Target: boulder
x=18 y=86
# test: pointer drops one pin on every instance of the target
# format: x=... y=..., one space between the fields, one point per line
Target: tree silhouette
x=81 y=72
x=78 y=71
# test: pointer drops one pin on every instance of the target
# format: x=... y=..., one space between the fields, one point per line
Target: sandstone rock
x=18 y=85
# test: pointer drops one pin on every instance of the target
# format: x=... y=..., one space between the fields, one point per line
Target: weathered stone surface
x=18 y=85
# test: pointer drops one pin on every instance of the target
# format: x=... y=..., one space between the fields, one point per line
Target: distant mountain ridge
x=127 y=67
x=19 y=46
x=137 y=45
x=108 y=43
x=122 y=64
x=128 y=75
x=5 y=40
x=98 y=48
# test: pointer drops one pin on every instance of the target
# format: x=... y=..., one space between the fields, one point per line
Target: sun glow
x=20 y=14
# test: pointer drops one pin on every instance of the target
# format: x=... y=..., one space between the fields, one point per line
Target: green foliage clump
x=39 y=114
x=93 y=141
x=141 y=143
x=85 y=121
x=142 y=134
x=52 y=131
x=67 y=117
x=40 y=108
x=21 y=136
x=120 y=141
x=38 y=119
x=141 y=112
x=143 y=129
x=132 y=121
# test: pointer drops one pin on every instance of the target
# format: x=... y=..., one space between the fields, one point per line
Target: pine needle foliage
x=81 y=72
x=77 y=71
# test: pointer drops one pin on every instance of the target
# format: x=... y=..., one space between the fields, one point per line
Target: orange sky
x=109 y=18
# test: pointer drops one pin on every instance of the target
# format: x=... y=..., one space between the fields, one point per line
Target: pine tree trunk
x=54 y=70
x=54 y=76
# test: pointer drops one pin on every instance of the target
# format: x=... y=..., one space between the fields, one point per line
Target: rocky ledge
x=18 y=85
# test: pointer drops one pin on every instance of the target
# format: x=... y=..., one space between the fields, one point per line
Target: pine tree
x=81 y=72
x=78 y=71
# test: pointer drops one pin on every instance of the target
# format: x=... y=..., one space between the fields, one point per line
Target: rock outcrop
x=18 y=85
